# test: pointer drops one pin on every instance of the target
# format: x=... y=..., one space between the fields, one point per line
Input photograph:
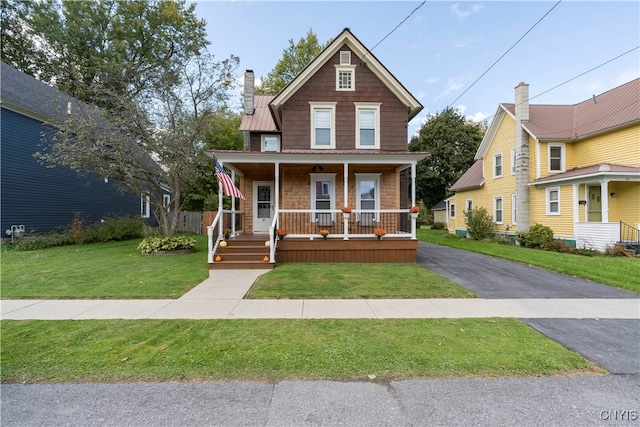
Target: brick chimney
x=249 y=83
x=522 y=158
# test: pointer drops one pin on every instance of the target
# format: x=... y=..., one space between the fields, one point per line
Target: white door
x=263 y=206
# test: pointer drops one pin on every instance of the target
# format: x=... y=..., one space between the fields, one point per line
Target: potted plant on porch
x=281 y=232
x=324 y=234
x=346 y=211
x=414 y=211
x=379 y=232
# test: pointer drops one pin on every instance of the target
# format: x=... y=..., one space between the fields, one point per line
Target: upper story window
x=323 y=124
x=497 y=165
x=345 y=57
x=367 y=125
x=270 y=143
x=345 y=77
x=556 y=158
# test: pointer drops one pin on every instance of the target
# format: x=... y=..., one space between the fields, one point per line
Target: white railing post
x=210 y=245
x=413 y=226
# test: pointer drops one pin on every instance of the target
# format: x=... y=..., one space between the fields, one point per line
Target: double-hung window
x=556 y=158
x=367 y=125
x=323 y=198
x=368 y=197
x=469 y=209
x=553 y=201
x=497 y=209
x=514 y=209
x=513 y=161
x=145 y=206
x=345 y=73
x=497 y=165
x=323 y=124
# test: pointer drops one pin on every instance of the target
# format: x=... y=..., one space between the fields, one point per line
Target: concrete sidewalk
x=221 y=297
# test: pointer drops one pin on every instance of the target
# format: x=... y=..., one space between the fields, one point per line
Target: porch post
x=413 y=199
x=604 y=197
x=576 y=207
x=233 y=207
x=345 y=198
x=277 y=187
x=220 y=207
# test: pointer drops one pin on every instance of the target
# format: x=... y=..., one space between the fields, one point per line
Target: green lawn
x=339 y=281
x=619 y=272
x=268 y=350
x=114 y=270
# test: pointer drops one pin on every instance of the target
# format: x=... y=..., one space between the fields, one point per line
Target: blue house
x=39 y=197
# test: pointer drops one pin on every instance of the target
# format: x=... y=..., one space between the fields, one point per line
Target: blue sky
x=442 y=49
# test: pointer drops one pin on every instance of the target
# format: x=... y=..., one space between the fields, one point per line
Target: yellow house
x=574 y=168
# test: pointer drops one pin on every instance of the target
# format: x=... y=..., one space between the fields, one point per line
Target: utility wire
x=398 y=26
x=504 y=54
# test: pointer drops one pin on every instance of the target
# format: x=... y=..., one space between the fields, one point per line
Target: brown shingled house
x=574 y=168
x=334 y=137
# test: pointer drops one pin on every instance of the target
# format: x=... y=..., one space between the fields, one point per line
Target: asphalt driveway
x=613 y=344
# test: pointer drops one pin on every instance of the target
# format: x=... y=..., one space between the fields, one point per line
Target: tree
x=149 y=88
x=452 y=142
x=294 y=59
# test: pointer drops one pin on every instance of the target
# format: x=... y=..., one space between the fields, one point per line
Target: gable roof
x=372 y=63
x=29 y=96
x=472 y=178
x=602 y=170
x=440 y=206
x=613 y=109
x=261 y=119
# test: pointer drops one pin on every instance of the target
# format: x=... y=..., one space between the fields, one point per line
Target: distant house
x=35 y=196
x=574 y=168
x=440 y=212
x=335 y=136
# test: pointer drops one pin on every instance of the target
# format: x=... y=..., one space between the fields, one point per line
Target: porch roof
x=590 y=173
x=246 y=161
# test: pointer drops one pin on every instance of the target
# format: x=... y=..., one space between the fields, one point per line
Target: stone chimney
x=522 y=159
x=249 y=83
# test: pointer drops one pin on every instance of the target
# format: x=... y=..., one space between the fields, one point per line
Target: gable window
x=513 y=161
x=553 y=201
x=497 y=209
x=145 y=206
x=367 y=125
x=556 y=158
x=345 y=77
x=323 y=198
x=323 y=128
x=368 y=197
x=497 y=165
x=270 y=143
x=345 y=57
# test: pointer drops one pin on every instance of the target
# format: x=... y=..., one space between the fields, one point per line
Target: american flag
x=228 y=187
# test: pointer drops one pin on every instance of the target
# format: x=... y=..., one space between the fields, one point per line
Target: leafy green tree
x=18 y=48
x=149 y=88
x=452 y=141
x=223 y=131
x=293 y=60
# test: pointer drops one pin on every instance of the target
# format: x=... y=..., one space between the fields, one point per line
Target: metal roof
x=472 y=178
x=261 y=120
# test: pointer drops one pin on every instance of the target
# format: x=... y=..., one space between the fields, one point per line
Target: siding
x=562 y=225
x=619 y=147
x=625 y=206
x=322 y=88
x=45 y=198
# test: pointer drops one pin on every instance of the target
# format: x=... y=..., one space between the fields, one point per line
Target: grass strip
x=618 y=272
x=353 y=281
x=270 y=350
x=113 y=270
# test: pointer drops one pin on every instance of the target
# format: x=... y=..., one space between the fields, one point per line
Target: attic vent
x=345 y=58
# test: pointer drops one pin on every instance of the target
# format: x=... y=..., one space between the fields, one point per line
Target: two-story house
x=574 y=168
x=334 y=137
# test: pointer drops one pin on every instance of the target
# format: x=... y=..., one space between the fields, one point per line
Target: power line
x=398 y=26
x=504 y=54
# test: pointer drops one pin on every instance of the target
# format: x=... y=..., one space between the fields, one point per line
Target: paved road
x=584 y=401
x=613 y=344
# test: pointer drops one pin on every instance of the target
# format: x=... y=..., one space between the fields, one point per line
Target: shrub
x=116 y=229
x=175 y=243
x=537 y=236
x=42 y=241
x=479 y=223
x=557 y=245
x=439 y=226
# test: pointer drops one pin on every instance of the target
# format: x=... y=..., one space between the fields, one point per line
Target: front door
x=595 y=204
x=263 y=206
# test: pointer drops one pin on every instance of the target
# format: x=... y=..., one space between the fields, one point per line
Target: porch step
x=243 y=254
x=627 y=250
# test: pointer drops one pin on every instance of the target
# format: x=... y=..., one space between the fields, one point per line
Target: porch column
x=604 y=197
x=233 y=206
x=220 y=207
x=413 y=184
x=576 y=207
x=345 y=198
x=277 y=187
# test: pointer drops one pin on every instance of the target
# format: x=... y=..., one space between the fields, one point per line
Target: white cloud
x=431 y=80
x=454 y=84
x=465 y=42
x=462 y=14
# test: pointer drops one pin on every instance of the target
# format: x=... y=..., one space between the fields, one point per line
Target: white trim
x=452 y=210
x=495 y=156
x=495 y=209
x=345 y=57
x=549 y=201
x=514 y=207
x=560 y=145
x=315 y=106
x=368 y=106
x=269 y=135
x=145 y=206
x=315 y=177
x=351 y=69
x=513 y=161
x=375 y=177
x=262 y=225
